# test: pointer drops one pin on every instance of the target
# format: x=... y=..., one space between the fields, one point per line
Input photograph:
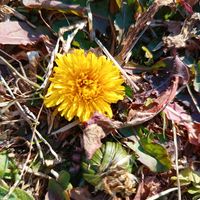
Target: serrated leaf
x=92 y=179
x=108 y=157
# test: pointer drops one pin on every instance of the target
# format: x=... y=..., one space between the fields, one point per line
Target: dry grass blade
x=176 y=161
x=18 y=74
x=126 y=76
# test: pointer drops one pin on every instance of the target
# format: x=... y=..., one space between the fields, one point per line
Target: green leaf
x=4 y=163
x=193 y=190
x=63 y=179
x=4 y=191
x=196 y=197
x=100 y=7
x=92 y=179
x=55 y=191
x=191 y=175
x=82 y=41
x=124 y=21
x=148 y=54
x=144 y=158
x=158 y=152
x=109 y=156
x=128 y=91
x=22 y=195
x=18 y=193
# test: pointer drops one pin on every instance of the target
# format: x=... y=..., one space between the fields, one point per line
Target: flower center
x=87 y=88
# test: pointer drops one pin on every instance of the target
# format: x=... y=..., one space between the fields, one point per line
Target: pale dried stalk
x=65 y=128
x=50 y=65
x=11 y=190
x=176 y=160
x=129 y=80
x=18 y=74
x=163 y=193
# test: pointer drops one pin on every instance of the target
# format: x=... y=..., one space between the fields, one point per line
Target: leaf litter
x=150 y=147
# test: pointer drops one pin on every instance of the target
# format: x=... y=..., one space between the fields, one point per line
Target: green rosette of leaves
x=110 y=170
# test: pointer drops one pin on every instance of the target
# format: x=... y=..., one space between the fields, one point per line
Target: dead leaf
x=80 y=194
x=186 y=6
x=192 y=2
x=14 y=32
x=145 y=18
x=56 y=5
x=188 y=31
x=178 y=75
x=92 y=136
x=179 y=115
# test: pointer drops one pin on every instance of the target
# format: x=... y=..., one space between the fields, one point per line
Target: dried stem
x=131 y=83
x=176 y=160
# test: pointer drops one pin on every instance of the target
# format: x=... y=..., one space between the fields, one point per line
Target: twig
x=163 y=193
x=18 y=74
x=193 y=98
x=50 y=65
x=48 y=26
x=176 y=160
x=39 y=174
x=50 y=148
x=65 y=128
x=67 y=43
x=90 y=21
x=11 y=190
x=131 y=83
x=18 y=105
x=10 y=122
x=71 y=27
x=39 y=148
x=20 y=64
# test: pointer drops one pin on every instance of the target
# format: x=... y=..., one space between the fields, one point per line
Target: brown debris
x=188 y=31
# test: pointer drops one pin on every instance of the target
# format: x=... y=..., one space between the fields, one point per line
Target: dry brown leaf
x=56 y=5
x=177 y=114
x=80 y=194
x=14 y=32
x=141 y=23
x=92 y=136
x=188 y=31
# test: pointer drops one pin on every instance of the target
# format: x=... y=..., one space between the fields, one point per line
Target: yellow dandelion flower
x=82 y=84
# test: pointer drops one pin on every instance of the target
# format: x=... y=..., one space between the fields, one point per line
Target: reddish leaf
x=186 y=6
x=177 y=114
x=14 y=32
x=139 y=114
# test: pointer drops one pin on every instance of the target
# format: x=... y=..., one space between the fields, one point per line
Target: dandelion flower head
x=82 y=84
